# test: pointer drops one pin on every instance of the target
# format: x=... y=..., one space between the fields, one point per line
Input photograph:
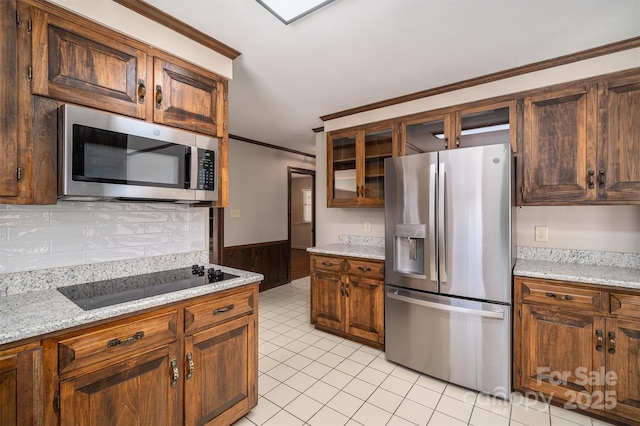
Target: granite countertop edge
x=613 y=276
x=351 y=250
x=38 y=313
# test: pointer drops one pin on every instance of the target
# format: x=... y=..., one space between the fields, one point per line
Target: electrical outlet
x=367 y=226
x=234 y=213
x=542 y=234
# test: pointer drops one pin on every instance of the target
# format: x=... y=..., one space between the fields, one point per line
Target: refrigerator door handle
x=442 y=245
x=432 y=222
x=481 y=313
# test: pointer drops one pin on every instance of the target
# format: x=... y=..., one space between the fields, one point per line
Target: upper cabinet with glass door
x=355 y=161
x=486 y=125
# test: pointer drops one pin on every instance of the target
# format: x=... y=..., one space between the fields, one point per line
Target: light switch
x=234 y=213
x=367 y=226
x=542 y=234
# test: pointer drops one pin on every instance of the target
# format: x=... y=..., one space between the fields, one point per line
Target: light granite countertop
x=614 y=276
x=350 y=250
x=41 y=312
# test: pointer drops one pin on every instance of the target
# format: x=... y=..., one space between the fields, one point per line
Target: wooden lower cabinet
x=21 y=398
x=137 y=391
x=579 y=346
x=193 y=363
x=347 y=298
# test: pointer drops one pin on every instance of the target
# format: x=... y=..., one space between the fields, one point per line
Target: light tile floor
x=309 y=377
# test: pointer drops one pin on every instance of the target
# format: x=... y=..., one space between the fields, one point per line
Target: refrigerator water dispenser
x=409 y=248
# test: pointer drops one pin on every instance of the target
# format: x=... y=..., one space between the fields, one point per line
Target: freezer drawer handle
x=488 y=314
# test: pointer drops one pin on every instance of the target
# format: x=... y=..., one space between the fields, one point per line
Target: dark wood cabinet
x=355 y=165
x=21 y=381
x=579 y=344
x=139 y=390
x=87 y=65
x=8 y=99
x=187 y=99
x=559 y=146
x=193 y=362
x=582 y=144
x=66 y=58
x=347 y=297
x=618 y=155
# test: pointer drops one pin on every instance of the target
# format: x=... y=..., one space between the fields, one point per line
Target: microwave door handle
x=188 y=168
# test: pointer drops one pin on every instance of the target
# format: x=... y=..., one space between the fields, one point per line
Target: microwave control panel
x=206 y=170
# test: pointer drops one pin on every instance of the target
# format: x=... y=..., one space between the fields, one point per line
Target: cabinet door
x=426 y=134
x=8 y=99
x=342 y=181
x=619 y=144
x=327 y=305
x=378 y=145
x=77 y=62
x=623 y=359
x=140 y=390
x=486 y=125
x=220 y=373
x=365 y=308
x=21 y=398
x=559 y=147
x=186 y=99
x=559 y=350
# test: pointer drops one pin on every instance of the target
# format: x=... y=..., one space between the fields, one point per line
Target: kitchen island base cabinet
x=347 y=298
x=21 y=397
x=579 y=346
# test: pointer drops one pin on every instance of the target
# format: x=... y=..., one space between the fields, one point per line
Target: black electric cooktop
x=99 y=294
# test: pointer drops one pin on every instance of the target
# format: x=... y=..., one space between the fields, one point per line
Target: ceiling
x=355 y=52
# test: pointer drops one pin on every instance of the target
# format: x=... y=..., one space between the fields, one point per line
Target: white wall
x=124 y=20
x=258 y=187
x=75 y=233
x=608 y=228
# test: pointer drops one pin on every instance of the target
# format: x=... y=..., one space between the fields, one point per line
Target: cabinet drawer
x=326 y=263
x=217 y=311
x=625 y=304
x=366 y=268
x=110 y=344
x=550 y=293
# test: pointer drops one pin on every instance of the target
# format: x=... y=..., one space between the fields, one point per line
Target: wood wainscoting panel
x=270 y=259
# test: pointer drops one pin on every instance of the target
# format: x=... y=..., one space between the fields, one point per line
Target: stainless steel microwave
x=104 y=156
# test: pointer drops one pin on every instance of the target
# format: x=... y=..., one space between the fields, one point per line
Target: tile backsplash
x=78 y=233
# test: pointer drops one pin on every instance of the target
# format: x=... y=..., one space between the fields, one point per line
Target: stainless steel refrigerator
x=449 y=259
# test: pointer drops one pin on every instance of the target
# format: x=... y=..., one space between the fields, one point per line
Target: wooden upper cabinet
x=618 y=173
x=486 y=125
x=86 y=65
x=355 y=166
x=187 y=99
x=8 y=99
x=426 y=134
x=559 y=147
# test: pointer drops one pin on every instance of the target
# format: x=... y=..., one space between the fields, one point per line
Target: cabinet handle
x=223 y=310
x=590 y=178
x=142 y=91
x=602 y=178
x=158 y=96
x=446 y=143
x=325 y=263
x=175 y=373
x=599 y=339
x=457 y=141
x=346 y=289
x=115 y=342
x=612 y=342
x=342 y=289
x=563 y=297
x=191 y=366
x=363 y=269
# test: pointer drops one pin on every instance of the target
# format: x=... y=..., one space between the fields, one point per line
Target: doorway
x=302 y=219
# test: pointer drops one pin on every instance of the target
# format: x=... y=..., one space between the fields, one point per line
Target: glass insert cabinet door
x=355 y=161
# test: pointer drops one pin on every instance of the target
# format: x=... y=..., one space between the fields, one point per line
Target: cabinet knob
x=591 y=178
x=602 y=178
